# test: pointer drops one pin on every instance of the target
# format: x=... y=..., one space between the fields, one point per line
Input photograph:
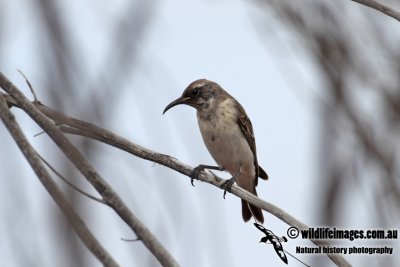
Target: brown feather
x=247 y=129
x=246 y=214
x=256 y=212
x=262 y=174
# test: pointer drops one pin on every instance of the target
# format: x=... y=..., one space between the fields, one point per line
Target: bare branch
x=78 y=127
x=87 y=170
x=382 y=8
x=31 y=155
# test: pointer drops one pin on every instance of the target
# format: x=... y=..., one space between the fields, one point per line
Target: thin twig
x=31 y=155
x=39 y=133
x=65 y=180
x=30 y=86
x=382 y=8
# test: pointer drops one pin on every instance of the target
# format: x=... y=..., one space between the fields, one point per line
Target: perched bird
x=228 y=135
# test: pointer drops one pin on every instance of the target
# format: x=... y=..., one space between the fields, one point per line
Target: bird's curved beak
x=180 y=100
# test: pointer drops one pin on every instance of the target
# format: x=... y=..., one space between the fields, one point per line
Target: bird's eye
x=195 y=92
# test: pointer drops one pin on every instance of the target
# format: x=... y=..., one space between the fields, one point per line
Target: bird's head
x=264 y=239
x=200 y=94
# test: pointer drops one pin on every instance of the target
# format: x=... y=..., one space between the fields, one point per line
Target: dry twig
x=65 y=180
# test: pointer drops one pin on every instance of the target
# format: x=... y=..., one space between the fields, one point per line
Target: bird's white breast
x=225 y=140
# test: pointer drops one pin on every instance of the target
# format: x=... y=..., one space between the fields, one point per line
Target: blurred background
x=319 y=80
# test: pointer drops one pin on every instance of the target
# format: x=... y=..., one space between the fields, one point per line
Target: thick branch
x=82 y=128
x=382 y=8
x=31 y=155
x=82 y=164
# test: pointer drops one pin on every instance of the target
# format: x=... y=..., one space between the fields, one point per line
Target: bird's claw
x=227 y=185
x=195 y=173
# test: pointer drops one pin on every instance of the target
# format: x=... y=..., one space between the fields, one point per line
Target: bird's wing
x=279 y=250
x=247 y=129
x=261 y=228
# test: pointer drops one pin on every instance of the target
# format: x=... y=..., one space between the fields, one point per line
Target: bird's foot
x=196 y=171
x=228 y=184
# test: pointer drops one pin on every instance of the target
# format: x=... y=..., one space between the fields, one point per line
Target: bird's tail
x=249 y=210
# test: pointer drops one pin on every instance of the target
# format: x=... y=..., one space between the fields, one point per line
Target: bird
x=229 y=137
x=274 y=240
